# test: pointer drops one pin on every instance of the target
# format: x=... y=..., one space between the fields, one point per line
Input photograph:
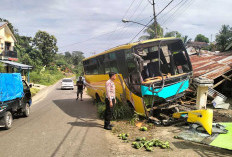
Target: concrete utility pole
x=155 y=21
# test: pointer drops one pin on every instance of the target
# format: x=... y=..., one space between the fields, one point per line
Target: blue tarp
x=11 y=86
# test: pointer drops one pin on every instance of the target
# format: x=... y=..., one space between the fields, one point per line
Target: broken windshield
x=170 y=60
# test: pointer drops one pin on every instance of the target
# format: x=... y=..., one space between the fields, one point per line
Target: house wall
x=5 y=37
x=2 y=39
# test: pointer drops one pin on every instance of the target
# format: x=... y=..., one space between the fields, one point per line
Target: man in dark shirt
x=80 y=87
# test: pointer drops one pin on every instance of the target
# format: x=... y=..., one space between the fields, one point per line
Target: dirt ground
x=179 y=148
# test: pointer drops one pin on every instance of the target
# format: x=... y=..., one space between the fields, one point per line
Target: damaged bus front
x=163 y=73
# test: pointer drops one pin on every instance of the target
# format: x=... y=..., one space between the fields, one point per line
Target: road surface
x=58 y=126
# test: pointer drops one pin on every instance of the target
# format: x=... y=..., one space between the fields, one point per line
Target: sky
x=92 y=26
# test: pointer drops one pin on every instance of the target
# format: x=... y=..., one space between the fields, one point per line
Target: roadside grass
x=34 y=91
x=46 y=78
x=120 y=111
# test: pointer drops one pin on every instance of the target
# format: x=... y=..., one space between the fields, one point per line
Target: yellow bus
x=150 y=73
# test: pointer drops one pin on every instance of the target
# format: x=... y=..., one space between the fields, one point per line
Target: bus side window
x=101 y=69
x=131 y=65
x=110 y=63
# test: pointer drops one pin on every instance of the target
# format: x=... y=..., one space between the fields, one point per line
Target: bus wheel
x=98 y=99
x=8 y=120
x=26 y=110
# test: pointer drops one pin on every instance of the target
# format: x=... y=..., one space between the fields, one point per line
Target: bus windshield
x=167 y=57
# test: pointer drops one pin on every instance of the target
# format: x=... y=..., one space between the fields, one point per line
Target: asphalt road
x=58 y=126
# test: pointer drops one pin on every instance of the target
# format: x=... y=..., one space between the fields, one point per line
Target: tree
x=45 y=43
x=201 y=38
x=151 y=32
x=185 y=40
x=173 y=34
x=224 y=38
x=77 y=57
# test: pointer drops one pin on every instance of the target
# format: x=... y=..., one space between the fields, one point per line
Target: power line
x=138 y=15
x=181 y=12
x=172 y=15
x=141 y=30
x=171 y=9
x=164 y=8
x=123 y=17
x=151 y=20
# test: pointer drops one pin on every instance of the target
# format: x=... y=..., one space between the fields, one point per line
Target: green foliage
x=101 y=107
x=45 y=43
x=224 y=38
x=2 y=68
x=173 y=34
x=34 y=91
x=40 y=52
x=201 y=38
x=47 y=77
x=176 y=34
x=151 y=32
x=120 y=111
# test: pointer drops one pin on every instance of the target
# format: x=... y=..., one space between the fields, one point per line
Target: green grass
x=120 y=111
x=46 y=78
x=34 y=91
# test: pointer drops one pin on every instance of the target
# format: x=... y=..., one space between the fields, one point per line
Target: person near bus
x=80 y=87
x=110 y=100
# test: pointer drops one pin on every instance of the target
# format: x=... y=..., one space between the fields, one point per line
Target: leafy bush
x=120 y=111
x=47 y=77
x=34 y=91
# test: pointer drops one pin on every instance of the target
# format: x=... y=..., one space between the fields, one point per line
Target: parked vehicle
x=15 y=98
x=150 y=74
x=67 y=83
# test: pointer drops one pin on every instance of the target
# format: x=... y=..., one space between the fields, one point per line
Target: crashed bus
x=151 y=74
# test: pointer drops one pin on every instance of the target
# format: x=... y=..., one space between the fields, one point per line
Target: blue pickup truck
x=15 y=98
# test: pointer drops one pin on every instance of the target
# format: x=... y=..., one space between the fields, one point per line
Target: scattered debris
x=219 y=102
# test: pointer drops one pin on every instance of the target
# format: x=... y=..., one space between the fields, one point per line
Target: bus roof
x=127 y=46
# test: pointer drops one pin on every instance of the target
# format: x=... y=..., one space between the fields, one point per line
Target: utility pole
x=155 y=21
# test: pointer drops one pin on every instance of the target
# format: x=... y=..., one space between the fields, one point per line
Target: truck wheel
x=26 y=110
x=8 y=120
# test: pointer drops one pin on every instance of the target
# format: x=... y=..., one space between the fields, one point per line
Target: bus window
x=101 y=69
x=112 y=56
x=107 y=67
x=114 y=67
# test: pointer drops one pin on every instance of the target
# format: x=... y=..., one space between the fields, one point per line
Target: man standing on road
x=80 y=87
x=110 y=100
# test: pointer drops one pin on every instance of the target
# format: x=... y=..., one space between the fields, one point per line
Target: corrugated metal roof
x=211 y=65
x=17 y=65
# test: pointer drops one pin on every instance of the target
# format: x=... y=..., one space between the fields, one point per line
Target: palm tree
x=224 y=38
x=150 y=31
x=186 y=40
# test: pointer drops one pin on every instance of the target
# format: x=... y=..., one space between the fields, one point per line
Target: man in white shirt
x=110 y=100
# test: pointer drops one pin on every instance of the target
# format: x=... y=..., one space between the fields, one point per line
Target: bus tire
x=26 y=110
x=8 y=120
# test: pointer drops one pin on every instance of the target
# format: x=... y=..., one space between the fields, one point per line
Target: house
x=195 y=47
x=7 y=43
x=8 y=56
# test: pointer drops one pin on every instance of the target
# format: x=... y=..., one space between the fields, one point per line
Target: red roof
x=211 y=65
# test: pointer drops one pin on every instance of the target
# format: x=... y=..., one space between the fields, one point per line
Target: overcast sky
x=95 y=25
